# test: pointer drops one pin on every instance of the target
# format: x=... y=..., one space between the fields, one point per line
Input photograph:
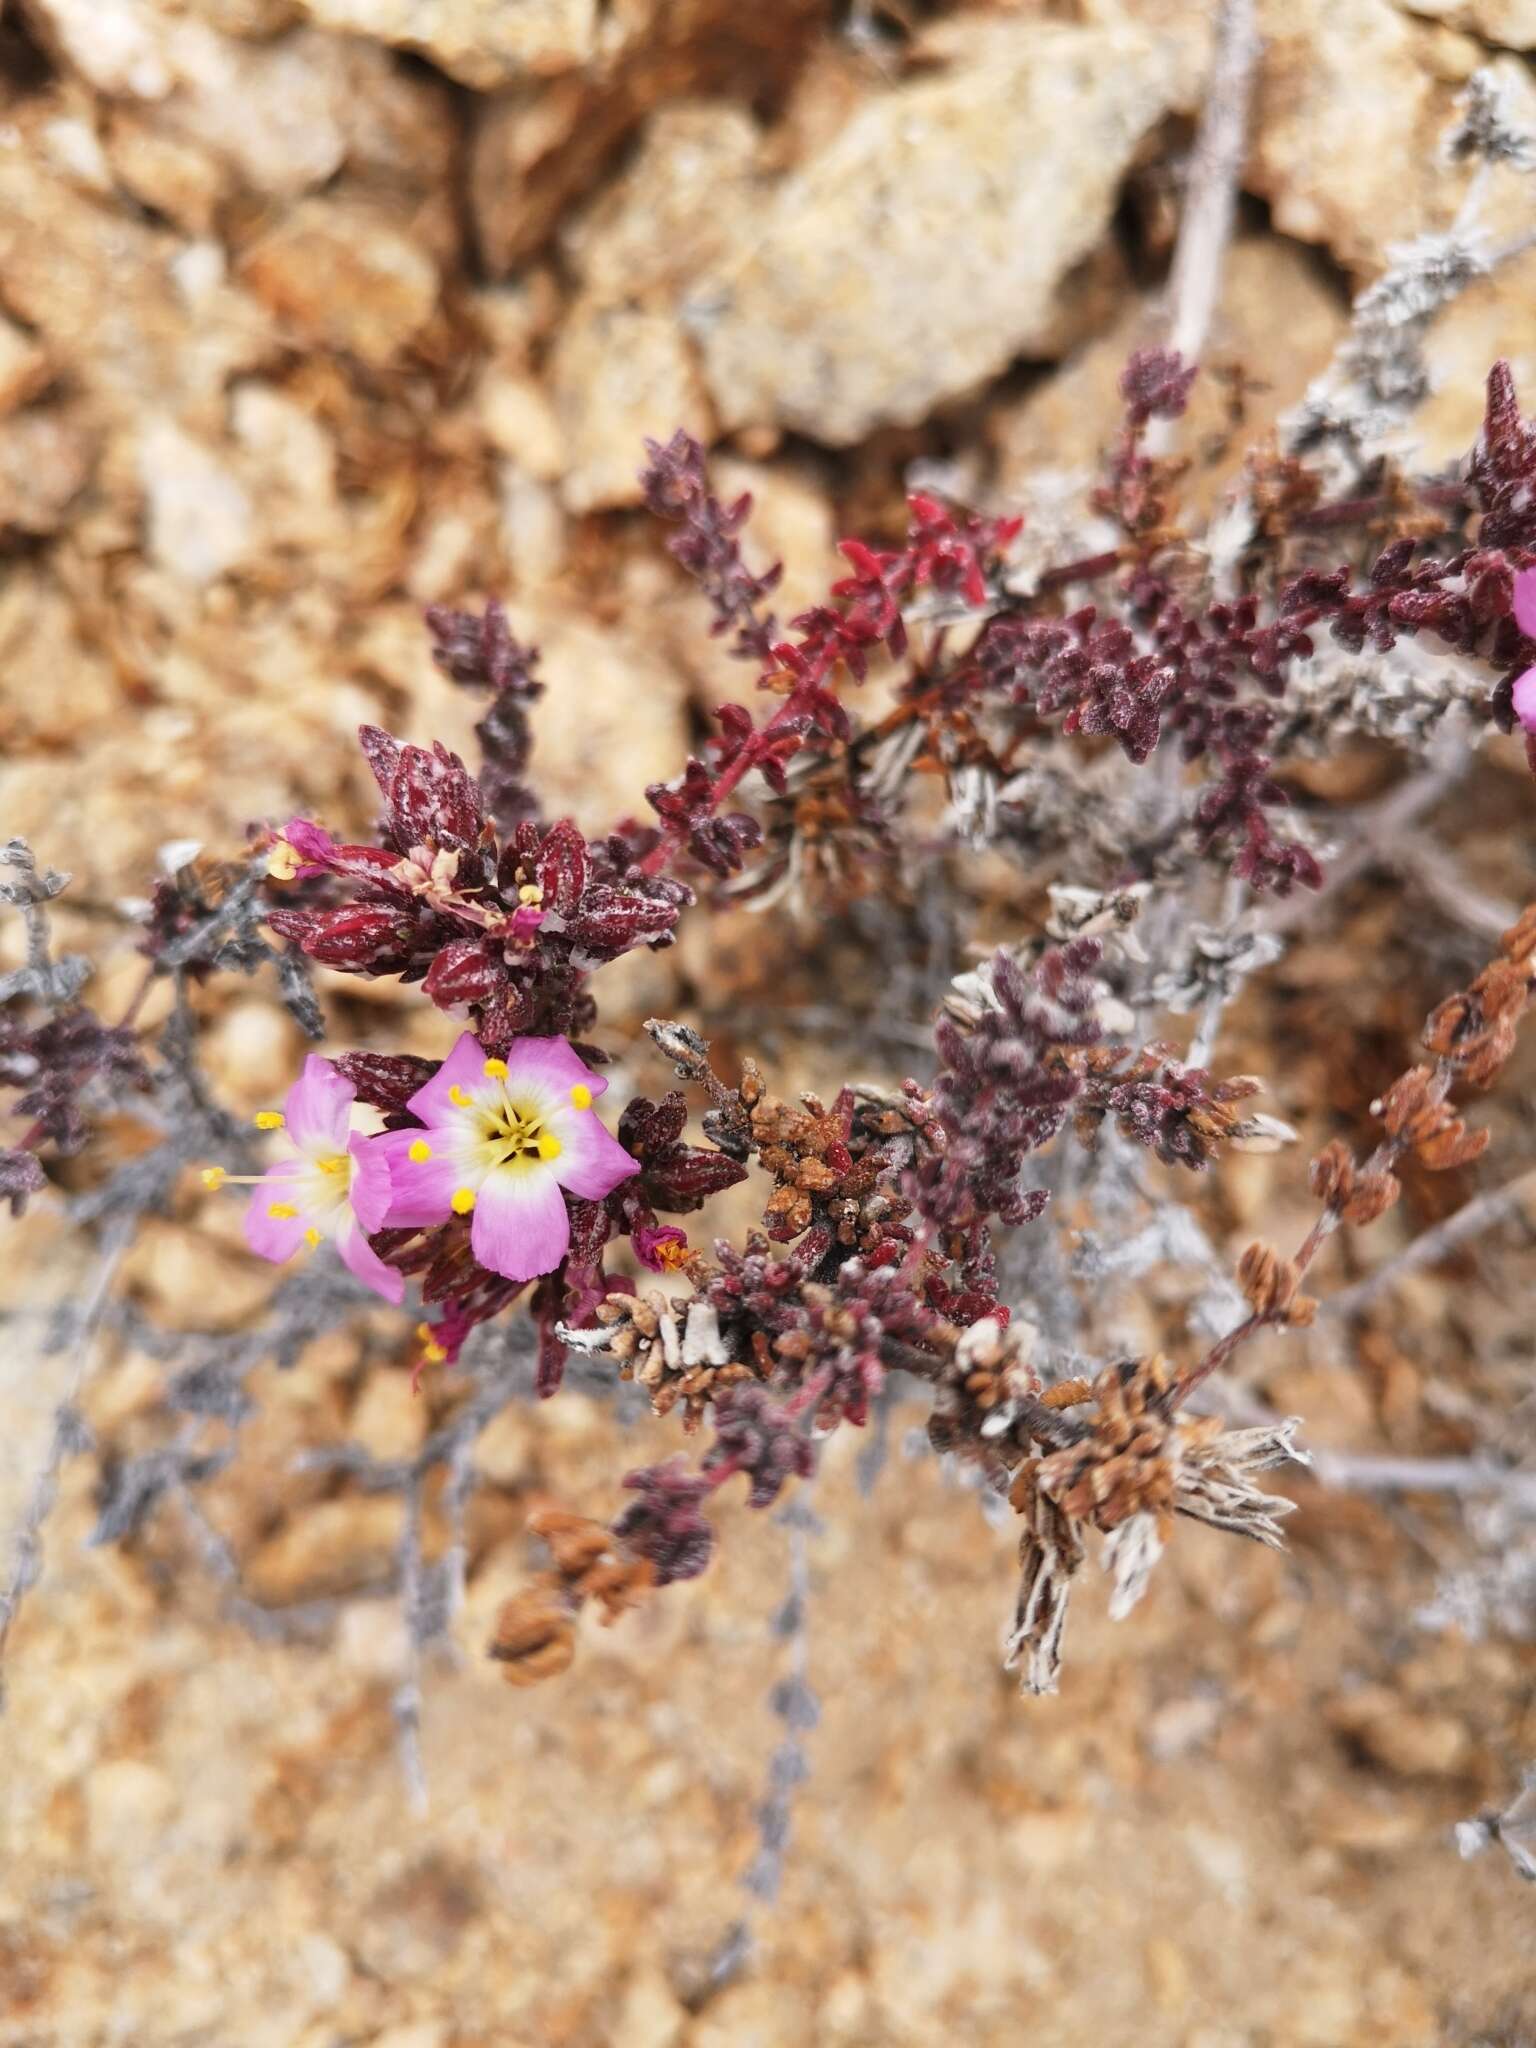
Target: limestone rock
x=46 y=458
x=142 y=319
x=540 y=145
x=677 y=209
x=1354 y=99
x=1511 y=23
x=610 y=721
x=923 y=249
x=336 y=1546
x=117 y=46
x=1278 y=322
x=619 y=373
x=482 y=43
x=200 y=518
x=343 y=276
x=1489 y=320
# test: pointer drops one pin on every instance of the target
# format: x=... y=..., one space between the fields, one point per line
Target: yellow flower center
x=514 y=1133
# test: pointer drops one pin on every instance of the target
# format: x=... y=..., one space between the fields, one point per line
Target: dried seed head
x=535 y=1635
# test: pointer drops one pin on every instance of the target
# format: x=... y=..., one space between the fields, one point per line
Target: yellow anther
x=432 y=1353
x=421 y=1152
x=530 y=893
x=457 y=1097
x=581 y=1095
x=549 y=1146
x=312 y=1238
x=335 y=1162
x=213 y=1176
x=281 y=1212
x=463 y=1201
x=269 y=1119
x=424 y=1332
x=283 y=862
x=497 y=1069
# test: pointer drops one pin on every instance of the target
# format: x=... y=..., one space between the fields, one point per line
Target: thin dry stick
x=1210 y=198
x=26 y=1538
x=1471 y=1220
x=1471 y=1035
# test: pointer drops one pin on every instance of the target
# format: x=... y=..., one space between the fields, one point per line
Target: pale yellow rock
x=610 y=721
x=618 y=375
x=533 y=528
x=650 y=2016
x=46 y=457
x=335 y=1546
x=117 y=46
x=144 y=319
x=1353 y=101
x=480 y=42
x=343 y=276
x=199 y=516
x=923 y=248
x=390 y=1419
x=25 y=369
x=164 y=171
x=518 y=420
x=188 y=1283
x=1279 y=319
x=128 y=1803
x=255 y=1050
x=678 y=209
x=1511 y=23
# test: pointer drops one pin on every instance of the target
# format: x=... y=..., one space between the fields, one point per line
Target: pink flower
x=501 y=1140
x=331 y=1184
x=1525 y=619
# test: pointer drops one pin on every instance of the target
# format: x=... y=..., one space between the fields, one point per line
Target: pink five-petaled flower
x=1525 y=619
x=501 y=1140
x=333 y=1183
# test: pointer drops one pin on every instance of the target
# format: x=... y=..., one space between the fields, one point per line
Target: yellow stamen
x=463 y=1201
x=334 y=1162
x=281 y=1212
x=530 y=893
x=457 y=1097
x=283 y=862
x=312 y=1238
x=581 y=1095
x=497 y=1069
x=421 y=1152
x=213 y=1176
x=549 y=1146
x=432 y=1353
x=269 y=1119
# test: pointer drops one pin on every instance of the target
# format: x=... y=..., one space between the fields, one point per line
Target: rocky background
x=313 y=312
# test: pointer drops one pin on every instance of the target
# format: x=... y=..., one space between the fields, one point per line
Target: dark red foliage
x=665 y=1525
x=53 y=1064
x=676 y=485
x=755 y=1435
x=1156 y=384
x=480 y=653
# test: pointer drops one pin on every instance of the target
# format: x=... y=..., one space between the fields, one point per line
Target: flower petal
x=1525 y=699
x=319 y=1107
x=420 y=1191
x=592 y=1162
x=1525 y=602
x=463 y=1069
x=520 y=1226
x=372 y=1184
x=549 y=1065
x=364 y=1263
x=275 y=1237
